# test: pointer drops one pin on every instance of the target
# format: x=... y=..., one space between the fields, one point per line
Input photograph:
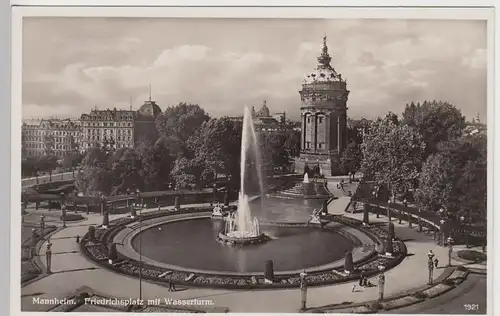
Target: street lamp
x=462 y=222
x=381 y=282
x=430 y=266
x=441 y=232
x=449 y=241
x=303 y=289
x=389 y=210
x=138 y=193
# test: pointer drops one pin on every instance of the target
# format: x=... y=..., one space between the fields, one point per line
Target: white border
x=262 y=12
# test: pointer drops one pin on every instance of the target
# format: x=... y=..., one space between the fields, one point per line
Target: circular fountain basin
x=190 y=245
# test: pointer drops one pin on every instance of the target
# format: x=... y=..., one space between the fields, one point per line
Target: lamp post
x=462 y=222
x=430 y=266
x=42 y=226
x=374 y=193
x=449 y=241
x=63 y=215
x=388 y=210
x=441 y=232
x=214 y=192
x=138 y=193
x=381 y=282
x=303 y=290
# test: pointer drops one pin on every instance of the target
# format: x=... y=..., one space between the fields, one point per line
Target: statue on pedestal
x=217 y=211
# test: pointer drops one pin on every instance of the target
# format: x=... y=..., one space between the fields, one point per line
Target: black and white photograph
x=252 y=163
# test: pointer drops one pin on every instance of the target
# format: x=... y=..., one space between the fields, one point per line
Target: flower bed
x=400 y=302
x=471 y=255
x=72 y=217
x=363 y=309
x=437 y=290
x=29 y=271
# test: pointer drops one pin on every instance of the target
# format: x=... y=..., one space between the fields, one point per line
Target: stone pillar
x=315 y=132
x=269 y=271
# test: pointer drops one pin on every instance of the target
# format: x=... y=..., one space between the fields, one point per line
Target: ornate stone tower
x=323 y=118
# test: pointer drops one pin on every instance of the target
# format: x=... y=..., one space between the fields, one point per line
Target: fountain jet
x=240 y=226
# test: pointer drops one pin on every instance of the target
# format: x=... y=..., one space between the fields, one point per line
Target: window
x=320 y=119
x=320 y=145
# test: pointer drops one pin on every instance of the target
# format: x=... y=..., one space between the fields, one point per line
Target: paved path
x=71 y=270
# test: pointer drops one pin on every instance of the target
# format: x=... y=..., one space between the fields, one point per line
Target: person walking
x=171 y=285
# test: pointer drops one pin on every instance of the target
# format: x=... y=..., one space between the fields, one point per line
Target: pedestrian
x=353 y=288
x=171 y=285
x=361 y=279
x=436 y=262
x=77 y=239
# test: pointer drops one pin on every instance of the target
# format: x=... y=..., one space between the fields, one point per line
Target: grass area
x=471 y=255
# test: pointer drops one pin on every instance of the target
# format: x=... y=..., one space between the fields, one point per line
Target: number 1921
x=471 y=307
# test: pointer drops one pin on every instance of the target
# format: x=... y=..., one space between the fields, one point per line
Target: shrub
x=449 y=282
x=348 y=263
x=374 y=306
x=91 y=233
x=113 y=254
x=472 y=255
x=72 y=217
x=105 y=219
x=420 y=295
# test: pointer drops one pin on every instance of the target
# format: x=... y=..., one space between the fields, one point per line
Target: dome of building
x=324 y=72
x=149 y=109
x=264 y=110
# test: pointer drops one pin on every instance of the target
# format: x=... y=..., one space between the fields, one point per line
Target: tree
x=392 y=154
x=355 y=130
x=156 y=163
x=351 y=158
x=455 y=177
x=95 y=176
x=436 y=121
x=29 y=167
x=125 y=171
x=217 y=147
x=187 y=173
x=71 y=160
x=47 y=164
x=181 y=121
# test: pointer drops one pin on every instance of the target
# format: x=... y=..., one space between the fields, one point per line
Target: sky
x=71 y=65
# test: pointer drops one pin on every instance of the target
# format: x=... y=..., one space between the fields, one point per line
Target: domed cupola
x=324 y=72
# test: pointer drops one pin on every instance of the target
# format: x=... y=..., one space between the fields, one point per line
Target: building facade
x=111 y=129
x=117 y=128
x=323 y=109
x=47 y=137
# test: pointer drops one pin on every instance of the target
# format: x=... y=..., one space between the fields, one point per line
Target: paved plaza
x=72 y=270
